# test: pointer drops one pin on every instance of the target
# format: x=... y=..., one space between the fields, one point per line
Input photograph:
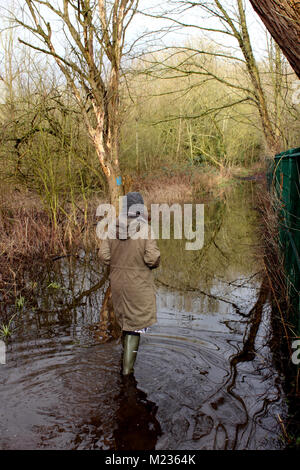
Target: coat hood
x=133 y=204
x=128 y=227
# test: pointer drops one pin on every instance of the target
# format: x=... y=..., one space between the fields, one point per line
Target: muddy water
x=204 y=377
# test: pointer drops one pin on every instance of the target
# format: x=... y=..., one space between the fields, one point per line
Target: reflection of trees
x=76 y=300
x=227 y=221
x=238 y=407
x=215 y=213
x=61 y=288
x=202 y=292
x=248 y=351
x=77 y=279
x=108 y=326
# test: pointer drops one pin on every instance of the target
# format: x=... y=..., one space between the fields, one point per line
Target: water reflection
x=205 y=377
x=202 y=403
x=136 y=425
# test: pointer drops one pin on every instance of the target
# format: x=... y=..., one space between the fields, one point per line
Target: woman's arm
x=151 y=254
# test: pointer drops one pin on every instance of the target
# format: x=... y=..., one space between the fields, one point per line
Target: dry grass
x=28 y=235
x=270 y=252
x=176 y=186
x=165 y=189
x=283 y=328
x=25 y=227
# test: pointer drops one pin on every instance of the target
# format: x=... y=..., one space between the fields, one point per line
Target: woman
x=132 y=254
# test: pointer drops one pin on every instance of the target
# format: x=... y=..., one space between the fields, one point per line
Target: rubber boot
x=131 y=346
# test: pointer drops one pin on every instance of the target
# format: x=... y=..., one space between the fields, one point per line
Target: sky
x=195 y=16
x=142 y=23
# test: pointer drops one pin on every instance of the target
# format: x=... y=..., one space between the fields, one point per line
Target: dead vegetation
x=282 y=311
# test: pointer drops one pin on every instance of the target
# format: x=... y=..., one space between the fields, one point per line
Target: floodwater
x=204 y=377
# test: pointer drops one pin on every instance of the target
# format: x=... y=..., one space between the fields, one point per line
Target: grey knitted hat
x=134 y=199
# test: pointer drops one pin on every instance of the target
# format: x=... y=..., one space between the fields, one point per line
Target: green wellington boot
x=131 y=346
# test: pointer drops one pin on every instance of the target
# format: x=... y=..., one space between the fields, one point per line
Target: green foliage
x=54 y=285
x=5 y=330
x=20 y=303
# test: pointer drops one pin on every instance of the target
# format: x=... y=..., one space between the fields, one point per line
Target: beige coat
x=132 y=284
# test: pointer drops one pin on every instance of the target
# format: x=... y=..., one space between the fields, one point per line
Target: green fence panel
x=285 y=176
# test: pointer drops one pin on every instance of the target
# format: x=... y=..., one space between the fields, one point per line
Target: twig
x=283 y=428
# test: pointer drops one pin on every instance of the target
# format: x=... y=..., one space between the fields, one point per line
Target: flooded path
x=204 y=376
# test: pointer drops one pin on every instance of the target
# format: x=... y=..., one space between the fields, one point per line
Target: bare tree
x=94 y=35
x=282 y=19
x=231 y=22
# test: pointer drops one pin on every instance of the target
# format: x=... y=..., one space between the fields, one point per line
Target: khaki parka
x=132 y=253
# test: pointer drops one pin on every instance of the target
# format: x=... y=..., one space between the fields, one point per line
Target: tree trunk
x=115 y=187
x=272 y=139
x=282 y=19
x=107 y=153
x=107 y=148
